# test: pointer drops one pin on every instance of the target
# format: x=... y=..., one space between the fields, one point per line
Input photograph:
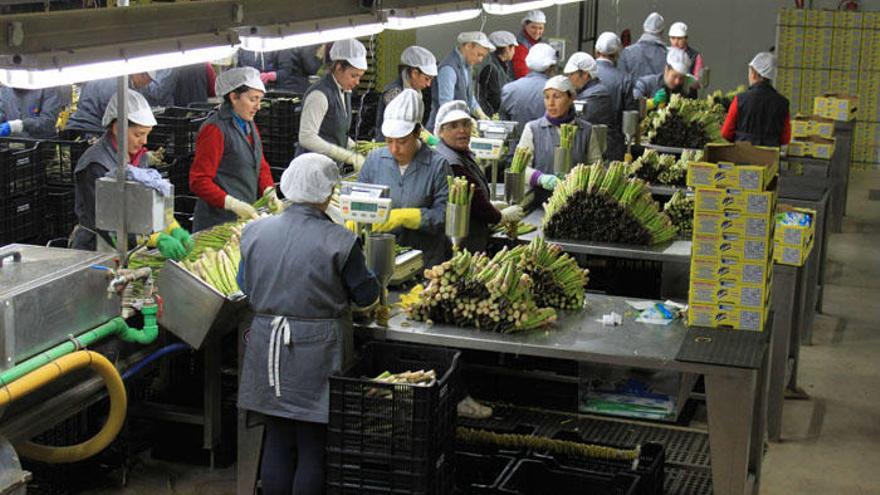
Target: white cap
x=477 y=37
x=541 y=57
x=764 y=64
x=503 y=38
x=310 y=178
x=535 y=16
x=560 y=83
x=152 y=74
x=232 y=79
x=581 y=61
x=350 y=50
x=678 y=30
x=402 y=114
x=136 y=107
x=608 y=43
x=420 y=58
x=679 y=61
x=654 y=23
x=450 y=112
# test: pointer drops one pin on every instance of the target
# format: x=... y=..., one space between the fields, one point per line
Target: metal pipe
x=121 y=161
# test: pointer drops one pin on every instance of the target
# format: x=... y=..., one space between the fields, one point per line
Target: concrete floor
x=831 y=441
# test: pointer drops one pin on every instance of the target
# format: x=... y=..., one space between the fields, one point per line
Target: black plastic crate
x=480 y=474
x=650 y=468
x=20 y=169
x=60 y=215
x=176 y=170
x=22 y=217
x=58 y=156
x=408 y=429
x=350 y=473
x=532 y=477
x=176 y=130
x=184 y=209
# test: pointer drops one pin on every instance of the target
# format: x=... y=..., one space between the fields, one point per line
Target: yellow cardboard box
x=813 y=146
x=729 y=316
x=731 y=267
x=738 y=165
x=792 y=255
x=812 y=125
x=794 y=235
x=732 y=223
x=748 y=202
x=723 y=291
x=836 y=106
x=731 y=245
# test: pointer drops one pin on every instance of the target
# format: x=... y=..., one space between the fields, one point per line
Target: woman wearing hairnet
x=100 y=160
x=542 y=136
x=416 y=176
x=496 y=72
x=454 y=127
x=658 y=88
x=532 y=33
x=418 y=68
x=229 y=171
x=454 y=80
x=759 y=115
x=302 y=328
x=326 y=113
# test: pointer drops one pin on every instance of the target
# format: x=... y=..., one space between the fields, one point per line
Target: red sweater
x=729 y=128
x=209 y=152
x=520 y=69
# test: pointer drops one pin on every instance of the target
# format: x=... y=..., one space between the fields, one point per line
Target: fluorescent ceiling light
x=36 y=78
x=310 y=33
x=509 y=7
x=566 y=2
x=401 y=19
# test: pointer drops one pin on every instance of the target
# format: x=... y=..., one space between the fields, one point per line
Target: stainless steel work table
x=735 y=390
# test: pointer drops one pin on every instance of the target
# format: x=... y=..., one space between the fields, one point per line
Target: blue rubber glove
x=548 y=181
x=170 y=248
x=5 y=130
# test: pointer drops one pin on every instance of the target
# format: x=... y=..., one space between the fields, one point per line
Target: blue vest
x=523 y=100
x=647 y=56
x=337 y=121
x=545 y=137
x=463 y=90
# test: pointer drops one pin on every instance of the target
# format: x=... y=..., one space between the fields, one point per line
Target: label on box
x=793 y=236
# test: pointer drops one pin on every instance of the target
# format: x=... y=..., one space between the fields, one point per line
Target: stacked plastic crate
x=833 y=52
x=732 y=253
x=22 y=192
x=278 y=122
x=175 y=132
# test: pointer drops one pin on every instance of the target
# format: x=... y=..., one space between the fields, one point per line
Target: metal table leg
x=212 y=395
x=731 y=400
x=786 y=282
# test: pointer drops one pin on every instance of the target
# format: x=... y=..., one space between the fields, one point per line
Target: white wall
x=727 y=32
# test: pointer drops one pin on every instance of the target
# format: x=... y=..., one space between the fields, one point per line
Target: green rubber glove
x=183 y=236
x=170 y=247
x=660 y=97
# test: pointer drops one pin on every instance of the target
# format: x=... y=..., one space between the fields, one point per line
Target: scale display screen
x=476 y=145
x=368 y=207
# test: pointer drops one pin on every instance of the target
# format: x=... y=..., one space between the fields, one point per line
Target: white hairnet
x=608 y=43
x=350 y=50
x=503 y=38
x=654 y=23
x=152 y=74
x=450 y=112
x=309 y=178
x=541 y=57
x=560 y=83
x=678 y=30
x=679 y=61
x=764 y=64
x=477 y=37
x=581 y=61
x=535 y=16
x=136 y=107
x=402 y=114
x=420 y=58
x=232 y=79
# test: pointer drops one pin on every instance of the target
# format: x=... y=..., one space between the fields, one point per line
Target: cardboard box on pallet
x=732 y=223
x=815 y=147
x=792 y=255
x=739 y=165
x=748 y=202
x=793 y=235
x=836 y=106
x=725 y=315
x=812 y=125
x=750 y=249
x=727 y=291
x=730 y=267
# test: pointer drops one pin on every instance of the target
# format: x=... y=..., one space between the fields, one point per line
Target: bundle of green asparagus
x=365 y=147
x=593 y=204
x=218 y=267
x=661 y=168
x=461 y=192
x=566 y=135
x=685 y=123
x=471 y=290
x=420 y=377
x=680 y=209
x=469 y=436
x=557 y=280
x=522 y=158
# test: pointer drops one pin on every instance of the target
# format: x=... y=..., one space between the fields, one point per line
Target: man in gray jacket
x=648 y=55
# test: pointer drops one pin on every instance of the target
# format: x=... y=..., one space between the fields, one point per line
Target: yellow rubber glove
x=351 y=225
x=408 y=218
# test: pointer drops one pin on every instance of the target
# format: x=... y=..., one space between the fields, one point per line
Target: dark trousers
x=293 y=457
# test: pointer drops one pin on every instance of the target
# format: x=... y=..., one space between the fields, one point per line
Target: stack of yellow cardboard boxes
x=812 y=136
x=732 y=251
x=792 y=243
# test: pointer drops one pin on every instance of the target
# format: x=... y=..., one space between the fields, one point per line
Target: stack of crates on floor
x=793 y=239
x=278 y=123
x=391 y=437
x=60 y=157
x=732 y=253
x=22 y=192
x=175 y=132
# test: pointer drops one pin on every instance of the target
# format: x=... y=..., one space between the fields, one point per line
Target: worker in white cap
x=759 y=115
x=521 y=100
x=100 y=160
x=678 y=38
x=30 y=113
x=648 y=55
x=95 y=95
x=416 y=176
x=417 y=70
x=497 y=71
x=658 y=88
x=304 y=276
x=583 y=72
x=229 y=172
x=542 y=135
x=531 y=34
x=454 y=81
x=327 y=111
x=454 y=127
x=620 y=86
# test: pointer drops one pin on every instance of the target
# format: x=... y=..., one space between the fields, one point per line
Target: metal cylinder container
x=380 y=256
x=458 y=221
x=514 y=187
x=561 y=161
